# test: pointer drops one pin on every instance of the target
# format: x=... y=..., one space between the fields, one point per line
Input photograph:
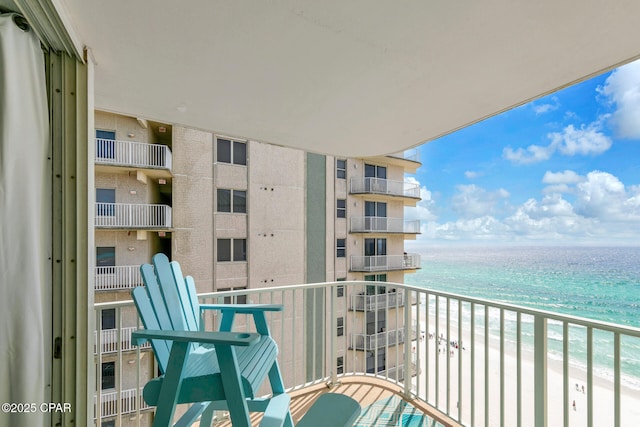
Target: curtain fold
x=25 y=224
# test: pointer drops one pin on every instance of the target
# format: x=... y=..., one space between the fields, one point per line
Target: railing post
x=540 y=371
x=332 y=343
x=407 y=353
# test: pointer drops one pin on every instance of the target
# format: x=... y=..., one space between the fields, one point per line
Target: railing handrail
x=132 y=204
x=133 y=153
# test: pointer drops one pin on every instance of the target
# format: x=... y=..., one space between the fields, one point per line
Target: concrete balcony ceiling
x=355 y=78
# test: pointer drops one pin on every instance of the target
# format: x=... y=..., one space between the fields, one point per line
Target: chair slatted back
x=166 y=302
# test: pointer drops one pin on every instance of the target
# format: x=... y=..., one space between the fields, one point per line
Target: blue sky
x=564 y=169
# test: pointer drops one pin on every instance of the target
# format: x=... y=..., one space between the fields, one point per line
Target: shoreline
x=603 y=405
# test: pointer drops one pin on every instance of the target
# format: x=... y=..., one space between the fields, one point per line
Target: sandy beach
x=436 y=360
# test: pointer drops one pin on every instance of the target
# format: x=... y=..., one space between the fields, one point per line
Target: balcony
x=114 y=340
x=387 y=300
x=117 y=278
x=111 y=404
x=132 y=154
x=373 y=224
x=377 y=341
x=383 y=188
x=479 y=363
x=130 y=216
x=385 y=262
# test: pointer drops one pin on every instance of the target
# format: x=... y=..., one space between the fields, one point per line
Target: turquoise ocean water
x=601 y=283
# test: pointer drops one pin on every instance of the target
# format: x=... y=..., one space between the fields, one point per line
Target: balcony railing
x=114 y=340
x=123 y=215
x=129 y=401
x=411 y=155
x=135 y=154
x=385 y=262
x=480 y=362
x=117 y=277
x=384 y=186
x=363 y=302
x=374 y=224
x=376 y=341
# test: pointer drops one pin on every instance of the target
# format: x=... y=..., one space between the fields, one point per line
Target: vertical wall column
x=70 y=91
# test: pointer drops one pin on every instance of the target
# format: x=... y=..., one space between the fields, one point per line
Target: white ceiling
x=351 y=78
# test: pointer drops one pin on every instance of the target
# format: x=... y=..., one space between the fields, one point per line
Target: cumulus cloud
x=546 y=107
x=471 y=201
x=565 y=177
x=622 y=88
x=425 y=209
x=586 y=140
x=472 y=174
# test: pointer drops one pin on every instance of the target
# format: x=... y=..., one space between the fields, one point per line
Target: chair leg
x=171 y=384
x=207 y=416
x=232 y=383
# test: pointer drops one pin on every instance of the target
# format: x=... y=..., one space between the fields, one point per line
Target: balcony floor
x=382 y=404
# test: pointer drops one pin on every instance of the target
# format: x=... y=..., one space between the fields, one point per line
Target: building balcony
x=132 y=216
x=113 y=403
x=372 y=224
x=409 y=160
x=115 y=340
x=475 y=362
x=117 y=278
x=385 y=262
x=379 y=188
x=134 y=155
x=376 y=341
x=387 y=300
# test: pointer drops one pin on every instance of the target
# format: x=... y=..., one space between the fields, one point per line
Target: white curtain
x=25 y=224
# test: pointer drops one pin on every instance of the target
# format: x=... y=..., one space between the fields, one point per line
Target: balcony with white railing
x=115 y=340
x=116 y=278
x=376 y=341
x=133 y=154
x=409 y=160
x=362 y=302
x=385 y=262
x=479 y=363
x=132 y=216
x=374 y=224
x=386 y=188
x=123 y=402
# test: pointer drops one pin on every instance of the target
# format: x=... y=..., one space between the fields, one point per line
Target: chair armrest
x=243 y=308
x=226 y=338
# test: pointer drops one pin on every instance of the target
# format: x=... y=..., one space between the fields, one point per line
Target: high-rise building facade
x=240 y=214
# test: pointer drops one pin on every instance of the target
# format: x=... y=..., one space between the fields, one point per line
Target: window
x=341 y=208
x=341 y=248
x=341 y=169
x=234 y=152
x=340 y=291
x=375 y=278
x=108 y=320
x=108 y=375
x=340 y=326
x=375 y=209
x=105 y=259
x=375 y=178
x=340 y=365
x=105 y=201
x=232 y=201
x=381 y=357
x=373 y=171
x=225 y=252
x=376 y=322
x=109 y=423
x=105 y=144
x=235 y=299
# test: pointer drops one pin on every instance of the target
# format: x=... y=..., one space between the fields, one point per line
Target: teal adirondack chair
x=220 y=370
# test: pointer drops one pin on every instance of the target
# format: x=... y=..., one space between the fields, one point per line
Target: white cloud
x=471 y=201
x=587 y=140
x=548 y=107
x=472 y=174
x=622 y=88
x=425 y=208
x=565 y=177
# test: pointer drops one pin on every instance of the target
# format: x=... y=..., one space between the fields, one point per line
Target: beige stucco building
x=241 y=214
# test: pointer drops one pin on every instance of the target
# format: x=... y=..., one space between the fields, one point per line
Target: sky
x=563 y=169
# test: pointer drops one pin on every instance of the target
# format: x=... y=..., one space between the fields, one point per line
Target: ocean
x=600 y=283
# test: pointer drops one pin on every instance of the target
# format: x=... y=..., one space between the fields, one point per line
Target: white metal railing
x=385 y=262
x=111 y=405
x=117 y=277
x=131 y=153
x=412 y=155
x=375 y=224
x=362 y=302
x=483 y=363
x=114 y=340
x=378 y=340
x=115 y=215
x=384 y=186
